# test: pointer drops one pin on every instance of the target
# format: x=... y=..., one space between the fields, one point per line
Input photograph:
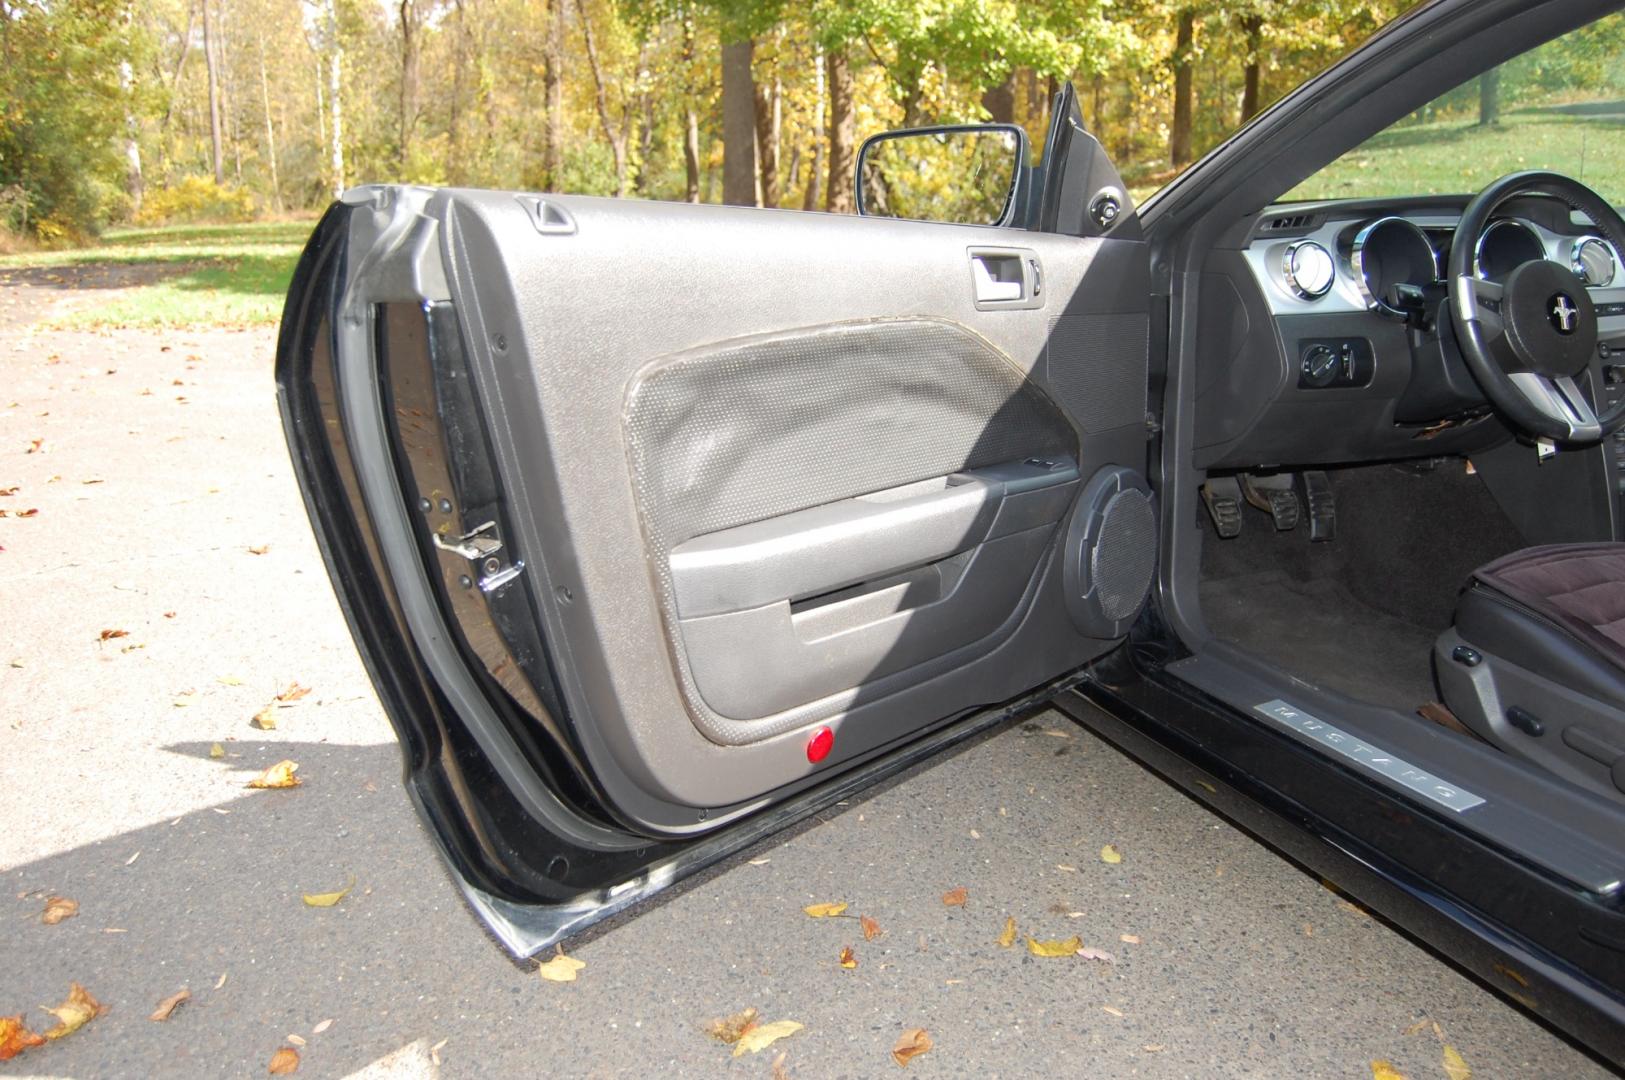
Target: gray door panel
x=771 y=471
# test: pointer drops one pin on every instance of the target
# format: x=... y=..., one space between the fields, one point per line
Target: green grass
x=1457 y=157
x=201 y=275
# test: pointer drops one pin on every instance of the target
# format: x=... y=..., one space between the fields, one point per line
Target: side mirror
x=966 y=174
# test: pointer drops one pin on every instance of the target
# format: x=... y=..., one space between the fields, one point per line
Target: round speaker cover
x=1111 y=552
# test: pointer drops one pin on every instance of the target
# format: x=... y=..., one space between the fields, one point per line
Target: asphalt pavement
x=168 y=589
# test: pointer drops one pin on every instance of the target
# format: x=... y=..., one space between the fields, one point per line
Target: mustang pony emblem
x=1565 y=315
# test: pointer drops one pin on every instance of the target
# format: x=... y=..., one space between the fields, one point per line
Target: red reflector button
x=819 y=746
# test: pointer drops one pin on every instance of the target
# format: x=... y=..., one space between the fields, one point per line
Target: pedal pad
x=1275 y=494
x=1222 y=497
x=1321 y=504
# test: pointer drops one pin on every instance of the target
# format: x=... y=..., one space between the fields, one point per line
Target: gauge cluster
x=1387 y=263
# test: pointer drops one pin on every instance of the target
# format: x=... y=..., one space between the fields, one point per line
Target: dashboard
x=1324 y=336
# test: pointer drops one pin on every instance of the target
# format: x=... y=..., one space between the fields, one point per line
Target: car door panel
x=664 y=375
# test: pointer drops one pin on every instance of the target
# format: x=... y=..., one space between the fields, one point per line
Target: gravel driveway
x=168 y=516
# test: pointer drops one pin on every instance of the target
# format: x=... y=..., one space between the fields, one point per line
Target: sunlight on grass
x=203 y=275
x=1459 y=157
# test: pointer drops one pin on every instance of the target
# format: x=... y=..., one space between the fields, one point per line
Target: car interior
x=1395 y=481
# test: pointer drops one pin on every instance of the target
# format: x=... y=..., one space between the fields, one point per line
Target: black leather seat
x=1535 y=662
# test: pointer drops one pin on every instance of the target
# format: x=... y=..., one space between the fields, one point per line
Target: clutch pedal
x=1222 y=497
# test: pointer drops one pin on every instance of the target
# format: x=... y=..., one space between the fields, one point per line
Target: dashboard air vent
x=1288 y=223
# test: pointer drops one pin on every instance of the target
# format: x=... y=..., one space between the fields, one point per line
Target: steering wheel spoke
x=1562 y=400
x=1479 y=301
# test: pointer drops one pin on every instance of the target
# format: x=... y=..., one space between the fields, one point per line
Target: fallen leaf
x=1354 y=909
x=1514 y=975
x=1110 y=854
x=1089 y=952
x=280 y=775
x=15 y=1038
x=779 y=1071
x=1382 y=1070
x=871 y=929
x=131 y=860
x=1418 y=1027
x=1007 y=937
x=293 y=693
x=1129 y=939
x=284 y=1062
x=328 y=899
x=1064 y=868
x=1455 y=1066
x=109 y=635
x=325 y=1024
x=1152 y=1048
x=228 y=680
x=728 y=1029
x=58 y=908
x=974 y=835
x=825 y=911
x=222 y=980
x=760 y=862
x=1207 y=787
x=32 y=511
x=955 y=897
x=258 y=549
x=1112 y=1011
x=185 y=698
x=910 y=1045
x=849 y=959
x=168 y=1006
x=35 y=446
x=297 y=1040
x=265 y=719
x=9 y=490
x=74 y=1013
x=761 y=1036
x=1069 y=947
x=216 y=750
x=561 y=968
x=434 y=1051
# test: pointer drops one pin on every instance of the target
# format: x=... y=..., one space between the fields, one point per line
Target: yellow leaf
x=228 y=680
x=729 y=1028
x=1382 y=1070
x=216 y=750
x=871 y=929
x=1455 y=1066
x=762 y=1036
x=849 y=959
x=910 y=1045
x=1008 y=937
x=293 y=693
x=328 y=899
x=265 y=719
x=58 y=908
x=284 y=1061
x=561 y=968
x=74 y=1013
x=1129 y=939
x=1110 y=854
x=280 y=775
x=825 y=911
x=1069 y=947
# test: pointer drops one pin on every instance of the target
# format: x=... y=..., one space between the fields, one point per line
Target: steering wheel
x=1527 y=339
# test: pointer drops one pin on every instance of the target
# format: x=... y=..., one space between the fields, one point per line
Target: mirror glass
x=960 y=175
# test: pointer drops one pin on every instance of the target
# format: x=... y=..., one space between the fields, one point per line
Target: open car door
x=660 y=526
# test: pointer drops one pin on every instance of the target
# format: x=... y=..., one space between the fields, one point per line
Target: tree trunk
x=217 y=155
x=617 y=142
x=180 y=66
x=409 y=83
x=815 y=175
x=335 y=81
x=1489 y=98
x=738 y=124
x=842 y=132
x=1254 y=25
x=1179 y=135
x=1000 y=100
x=553 y=96
x=1097 y=107
x=691 y=117
x=134 y=184
x=767 y=143
x=270 y=130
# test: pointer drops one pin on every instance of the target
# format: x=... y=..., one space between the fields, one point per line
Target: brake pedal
x=1321 y=504
x=1222 y=497
x=1276 y=495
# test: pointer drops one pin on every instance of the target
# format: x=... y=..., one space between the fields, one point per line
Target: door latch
x=475 y=545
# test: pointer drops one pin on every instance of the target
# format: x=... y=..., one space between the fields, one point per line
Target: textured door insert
x=757 y=428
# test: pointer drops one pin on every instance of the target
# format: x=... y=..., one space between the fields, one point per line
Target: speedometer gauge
x=1594 y=262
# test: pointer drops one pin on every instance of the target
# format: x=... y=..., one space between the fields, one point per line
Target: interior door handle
x=997 y=278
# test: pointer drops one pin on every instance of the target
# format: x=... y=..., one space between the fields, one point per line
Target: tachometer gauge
x=1594 y=262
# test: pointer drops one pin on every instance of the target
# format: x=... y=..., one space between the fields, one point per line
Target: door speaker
x=1111 y=552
